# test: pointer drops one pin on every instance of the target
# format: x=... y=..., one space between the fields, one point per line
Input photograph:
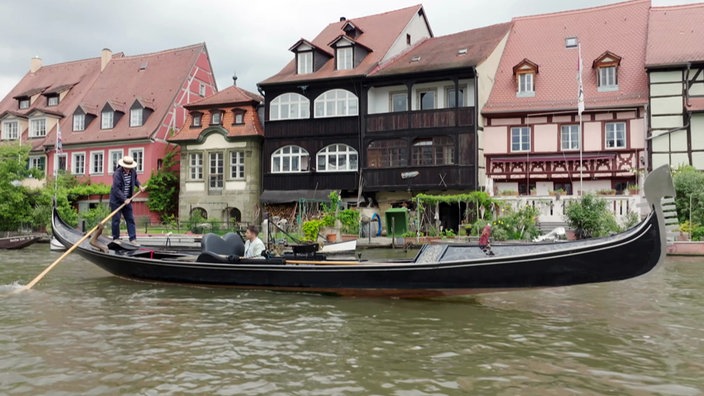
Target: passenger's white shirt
x=254 y=248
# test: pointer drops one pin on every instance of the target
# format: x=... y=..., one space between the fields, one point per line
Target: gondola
x=437 y=269
x=18 y=241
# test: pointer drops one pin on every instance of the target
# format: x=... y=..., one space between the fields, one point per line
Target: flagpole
x=580 y=109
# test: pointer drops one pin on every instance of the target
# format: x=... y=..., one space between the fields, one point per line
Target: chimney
x=35 y=64
x=105 y=56
x=342 y=19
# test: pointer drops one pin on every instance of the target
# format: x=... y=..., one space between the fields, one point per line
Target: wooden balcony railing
x=438 y=118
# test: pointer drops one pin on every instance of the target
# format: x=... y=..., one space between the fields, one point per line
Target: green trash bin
x=398 y=219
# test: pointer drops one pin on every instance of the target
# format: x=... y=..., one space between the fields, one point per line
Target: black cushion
x=229 y=245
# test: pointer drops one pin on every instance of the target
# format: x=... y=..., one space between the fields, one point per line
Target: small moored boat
x=18 y=242
x=437 y=270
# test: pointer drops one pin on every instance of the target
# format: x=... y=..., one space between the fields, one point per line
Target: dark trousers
x=126 y=211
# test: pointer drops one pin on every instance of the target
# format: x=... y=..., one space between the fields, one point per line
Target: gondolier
x=124 y=182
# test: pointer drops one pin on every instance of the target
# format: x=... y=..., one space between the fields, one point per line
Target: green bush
x=311 y=229
x=590 y=218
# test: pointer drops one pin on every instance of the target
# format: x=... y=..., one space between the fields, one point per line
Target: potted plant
x=633 y=189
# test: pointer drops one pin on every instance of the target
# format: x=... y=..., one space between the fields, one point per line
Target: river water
x=83 y=331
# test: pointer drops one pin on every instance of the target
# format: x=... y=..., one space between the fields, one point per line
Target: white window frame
x=421 y=95
x=239 y=118
x=569 y=137
x=79 y=122
x=36 y=160
x=136 y=115
x=526 y=84
x=523 y=135
x=216 y=170
x=304 y=62
x=216 y=118
x=52 y=100
x=138 y=156
x=201 y=89
x=608 y=78
x=344 y=57
x=290 y=159
x=289 y=106
x=37 y=127
x=237 y=165
x=336 y=103
x=197 y=119
x=97 y=162
x=115 y=155
x=450 y=96
x=329 y=158
x=107 y=119
x=23 y=104
x=78 y=159
x=10 y=130
x=393 y=95
x=195 y=166
x=617 y=134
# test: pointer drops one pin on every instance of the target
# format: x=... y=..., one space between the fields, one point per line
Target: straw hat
x=127 y=162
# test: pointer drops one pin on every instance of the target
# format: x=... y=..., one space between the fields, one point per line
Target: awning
x=286 y=196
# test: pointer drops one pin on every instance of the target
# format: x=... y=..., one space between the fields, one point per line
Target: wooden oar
x=75 y=245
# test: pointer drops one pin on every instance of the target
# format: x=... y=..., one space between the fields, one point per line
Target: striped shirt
x=127 y=183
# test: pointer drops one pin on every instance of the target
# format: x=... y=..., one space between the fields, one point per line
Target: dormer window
x=107 y=118
x=304 y=60
x=351 y=30
x=52 y=100
x=79 y=122
x=344 y=56
x=24 y=103
x=136 y=117
x=606 y=66
x=197 y=120
x=525 y=73
x=216 y=118
x=239 y=117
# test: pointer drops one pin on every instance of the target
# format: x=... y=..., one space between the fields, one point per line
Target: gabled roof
x=620 y=28
x=463 y=49
x=302 y=41
x=231 y=98
x=380 y=32
x=675 y=35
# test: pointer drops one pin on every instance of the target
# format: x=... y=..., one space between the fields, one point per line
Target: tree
x=590 y=217
x=164 y=187
x=15 y=207
x=689 y=189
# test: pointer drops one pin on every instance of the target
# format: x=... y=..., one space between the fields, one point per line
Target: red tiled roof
x=380 y=33
x=443 y=53
x=619 y=28
x=226 y=100
x=675 y=35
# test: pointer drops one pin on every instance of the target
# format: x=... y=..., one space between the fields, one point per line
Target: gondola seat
x=230 y=244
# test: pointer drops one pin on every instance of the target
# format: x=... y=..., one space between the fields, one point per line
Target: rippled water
x=83 y=331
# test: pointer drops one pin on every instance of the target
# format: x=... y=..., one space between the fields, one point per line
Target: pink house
x=535 y=139
x=101 y=109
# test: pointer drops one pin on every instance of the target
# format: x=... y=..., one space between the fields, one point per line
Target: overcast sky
x=249 y=38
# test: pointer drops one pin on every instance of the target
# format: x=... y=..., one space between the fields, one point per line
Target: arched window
x=235 y=215
x=289 y=106
x=390 y=153
x=289 y=159
x=336 y=103
x=439 y=150
x=199 y=212
x=337 y=158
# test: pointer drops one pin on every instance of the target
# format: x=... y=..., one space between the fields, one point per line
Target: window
x=195 y=166
x=571 y=42
x=289 y=159
x=426 y=100
x=24 y=103
x=305 y=62
x=216 y=118
x=237 y=165
x=78 y=164
x=201 y=89
x=615 y=134
x=608 y=78
x=96 y=162
x=197 y=119
x=10 y=130
x=115 y=155
x=399 y=101
x=61 y=165
x=216 y=170
x=387 y=154
x=136 y=117
x=525 y=84
x=37 y=162
x=450 y=100
x=569 y=137
x=138 y=155
x=520 y=139
x=289 y=106
x=239 y=118
x=439 y=150
x=106 y=119
x=37 y=127
x=336 y=103
x=345 y=58
x=79 y=122
x=52 y=101
x=337 y=158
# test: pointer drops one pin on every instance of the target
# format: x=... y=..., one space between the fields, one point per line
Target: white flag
x=580 y=87
x=59 y=144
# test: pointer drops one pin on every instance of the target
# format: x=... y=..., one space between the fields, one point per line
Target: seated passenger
x=484 y=243
x=253 y=247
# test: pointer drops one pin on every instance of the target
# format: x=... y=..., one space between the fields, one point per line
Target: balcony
x=311 y=181
x=428 y=178
x=313 y=127
x=438 y=118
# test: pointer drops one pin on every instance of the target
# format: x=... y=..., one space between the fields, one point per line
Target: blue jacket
x=117 y=194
